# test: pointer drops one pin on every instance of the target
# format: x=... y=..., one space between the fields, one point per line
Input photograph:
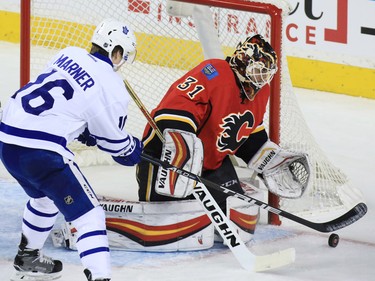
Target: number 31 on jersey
x=189 y=85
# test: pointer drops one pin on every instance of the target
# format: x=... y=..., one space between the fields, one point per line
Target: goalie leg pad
x=151 y=226
x=244 y=216
x=184 y=150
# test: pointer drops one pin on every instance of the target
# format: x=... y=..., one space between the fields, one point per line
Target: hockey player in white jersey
x=78 y=95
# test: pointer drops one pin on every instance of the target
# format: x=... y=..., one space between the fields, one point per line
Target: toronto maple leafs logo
x=236 y=130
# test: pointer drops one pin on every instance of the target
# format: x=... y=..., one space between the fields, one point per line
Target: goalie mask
x=111 y=33
x=255 y=63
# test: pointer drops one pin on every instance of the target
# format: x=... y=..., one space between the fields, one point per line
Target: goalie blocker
x=181 y=149
x=163 y=226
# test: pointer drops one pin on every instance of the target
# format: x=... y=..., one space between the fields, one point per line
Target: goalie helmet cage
x=167 y=47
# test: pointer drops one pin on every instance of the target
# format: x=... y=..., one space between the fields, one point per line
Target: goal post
x=167 y=47
x=25 y=42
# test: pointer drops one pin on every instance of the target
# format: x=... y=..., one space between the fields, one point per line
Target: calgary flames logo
x=236 y=129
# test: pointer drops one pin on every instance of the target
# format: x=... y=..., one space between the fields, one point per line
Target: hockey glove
x=86 y=138
x=285 y=173
x=134 y=157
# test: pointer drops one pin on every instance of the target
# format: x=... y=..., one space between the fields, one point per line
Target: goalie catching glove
x=184 y=150
x=285 y=173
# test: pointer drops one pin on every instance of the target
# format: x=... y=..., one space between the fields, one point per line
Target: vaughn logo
x=217 y=216
x=266 y=160
x=117 y=208
x=178 y=155
x=164 y=172
x=236 y=130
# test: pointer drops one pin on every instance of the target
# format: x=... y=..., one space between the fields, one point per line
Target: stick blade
x=275 y=260
x=346 y=219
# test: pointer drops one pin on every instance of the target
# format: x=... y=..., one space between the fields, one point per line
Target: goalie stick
x=344 y=220
x=223 y=225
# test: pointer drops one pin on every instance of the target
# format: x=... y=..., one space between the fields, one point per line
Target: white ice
x=344 y=127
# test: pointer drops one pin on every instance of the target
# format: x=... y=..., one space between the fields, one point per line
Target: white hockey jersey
x=75 y=91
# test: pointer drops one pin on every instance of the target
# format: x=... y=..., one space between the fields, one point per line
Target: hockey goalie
x=213 y=112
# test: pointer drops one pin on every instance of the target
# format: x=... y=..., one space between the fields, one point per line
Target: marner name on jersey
x=80 y=75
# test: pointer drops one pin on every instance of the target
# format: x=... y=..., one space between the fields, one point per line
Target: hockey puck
x=333 y=240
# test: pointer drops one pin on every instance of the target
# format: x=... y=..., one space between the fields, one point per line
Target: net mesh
x=167 y=47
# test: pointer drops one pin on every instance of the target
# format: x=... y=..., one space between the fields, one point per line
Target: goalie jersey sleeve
x=75 y=91
x=207 y=101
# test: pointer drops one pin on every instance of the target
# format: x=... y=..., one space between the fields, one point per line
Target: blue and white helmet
x=111 y=33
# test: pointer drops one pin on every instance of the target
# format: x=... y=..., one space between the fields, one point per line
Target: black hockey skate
x=89 y=277
x=31 y=264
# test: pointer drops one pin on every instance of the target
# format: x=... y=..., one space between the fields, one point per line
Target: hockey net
x=167 y=47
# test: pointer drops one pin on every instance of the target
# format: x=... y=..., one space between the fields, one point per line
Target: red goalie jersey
x=207 y=100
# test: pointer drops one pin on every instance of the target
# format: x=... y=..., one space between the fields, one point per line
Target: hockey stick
x=222 y=224
x=143 y=109
x=344 y=220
